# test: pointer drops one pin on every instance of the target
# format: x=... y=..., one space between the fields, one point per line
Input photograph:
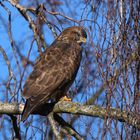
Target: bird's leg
x=65 y=98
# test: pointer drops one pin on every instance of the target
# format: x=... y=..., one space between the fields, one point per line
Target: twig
x=11 y=75
x=41 y=15
x=33 y=26
x=60 y=14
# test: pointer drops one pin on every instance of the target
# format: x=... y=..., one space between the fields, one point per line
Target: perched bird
x=54 y=70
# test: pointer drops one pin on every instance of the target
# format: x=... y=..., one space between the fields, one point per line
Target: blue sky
x=23 y=37
x=20 y=29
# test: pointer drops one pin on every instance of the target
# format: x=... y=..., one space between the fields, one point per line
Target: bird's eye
x=84 y=33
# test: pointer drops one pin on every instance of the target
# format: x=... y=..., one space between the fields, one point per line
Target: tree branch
x=76 y=108
x=16 y=127
x=67 y=128
x=54 y=127
x=23 y=11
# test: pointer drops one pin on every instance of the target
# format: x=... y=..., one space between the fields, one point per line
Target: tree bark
x=76 y=108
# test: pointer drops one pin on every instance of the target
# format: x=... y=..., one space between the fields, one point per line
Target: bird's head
x=74 y=33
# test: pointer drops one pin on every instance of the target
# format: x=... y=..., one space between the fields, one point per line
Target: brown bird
x=54 y=70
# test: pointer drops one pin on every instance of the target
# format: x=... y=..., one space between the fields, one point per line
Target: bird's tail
x=26 y=112
x=31 y=106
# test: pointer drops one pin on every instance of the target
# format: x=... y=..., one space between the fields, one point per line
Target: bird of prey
x=54 y=70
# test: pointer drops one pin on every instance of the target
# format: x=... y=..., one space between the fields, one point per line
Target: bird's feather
x=53 y=73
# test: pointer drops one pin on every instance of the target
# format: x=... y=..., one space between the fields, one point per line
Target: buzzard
x=54 y=70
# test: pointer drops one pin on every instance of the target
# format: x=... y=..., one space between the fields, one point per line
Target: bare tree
x=107 y=87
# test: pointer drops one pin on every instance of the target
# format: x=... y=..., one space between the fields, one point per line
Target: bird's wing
x=52 y=70
x=44 y=73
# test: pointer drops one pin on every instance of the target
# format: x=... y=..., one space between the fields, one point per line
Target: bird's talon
x=65 y=98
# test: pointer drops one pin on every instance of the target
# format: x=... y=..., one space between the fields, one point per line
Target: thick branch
x=77 y=108
x=54 y=127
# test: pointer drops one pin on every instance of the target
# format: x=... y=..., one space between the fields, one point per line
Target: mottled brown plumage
x=54 y=70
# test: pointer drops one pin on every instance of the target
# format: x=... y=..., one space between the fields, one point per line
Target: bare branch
x=67 y=128
x=33 y=26
x=15 y=126
x=77 y=108
x=54 y=127
x=11 y=74
x=60 y=14
x=97 y=111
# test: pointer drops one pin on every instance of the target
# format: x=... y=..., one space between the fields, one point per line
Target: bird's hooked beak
x=82 y=40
